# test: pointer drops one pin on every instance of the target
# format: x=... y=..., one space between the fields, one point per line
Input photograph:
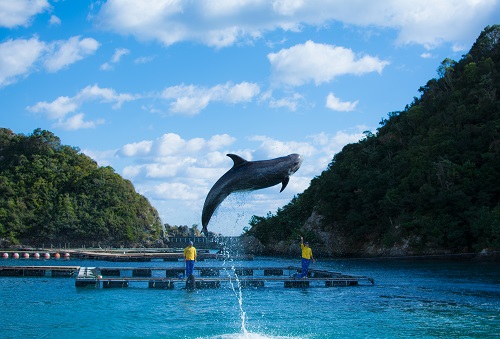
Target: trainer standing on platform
x=307 y=256
x=189 y=258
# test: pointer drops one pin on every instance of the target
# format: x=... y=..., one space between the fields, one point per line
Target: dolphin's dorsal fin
x=237 y=159
x=284 y=183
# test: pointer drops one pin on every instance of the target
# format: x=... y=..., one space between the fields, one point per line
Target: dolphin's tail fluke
x=204 y=230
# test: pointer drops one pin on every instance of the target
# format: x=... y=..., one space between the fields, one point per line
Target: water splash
x=235 y=286
x=250 y=336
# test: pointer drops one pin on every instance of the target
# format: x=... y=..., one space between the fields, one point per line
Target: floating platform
x=212 y=277
x=39 y=271
x=129 y=256
x=137 y=255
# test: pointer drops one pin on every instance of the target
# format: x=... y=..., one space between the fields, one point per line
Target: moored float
x=213 y=277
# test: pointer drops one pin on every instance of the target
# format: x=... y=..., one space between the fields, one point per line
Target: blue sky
x=163 y=90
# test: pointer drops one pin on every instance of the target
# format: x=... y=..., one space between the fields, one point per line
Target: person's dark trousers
x=189 y=267
x=305 y=267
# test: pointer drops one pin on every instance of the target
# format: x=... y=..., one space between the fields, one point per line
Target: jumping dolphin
x=249 y=176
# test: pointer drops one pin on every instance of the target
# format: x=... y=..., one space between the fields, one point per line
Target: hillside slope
x=427 y=182
x=52 y=193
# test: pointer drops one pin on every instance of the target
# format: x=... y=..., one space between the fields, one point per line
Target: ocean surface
x=420 y=299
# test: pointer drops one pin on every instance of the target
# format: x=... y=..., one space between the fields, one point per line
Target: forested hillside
x=428 y=181
x=52 y=193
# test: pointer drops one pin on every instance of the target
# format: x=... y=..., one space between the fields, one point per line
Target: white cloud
x=320 y=63
x=144 y=59
x=190 y=100
x=119 y=53
x=271 y=148
x=66 y=52
x=95 y=92
x=15 y=13
x=188 y=168
x=172 y=145
x=54 y=21
x=17 y=58
x=176 y=191
x=328 y=145
x=56 y=109
x=180 y=172
x=76 y=122
x=223 y=23
x=290 y=102
x=137 y=148
x=334 y=103
x=62 y=106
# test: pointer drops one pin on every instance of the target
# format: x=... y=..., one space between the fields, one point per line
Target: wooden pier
x=212 y=277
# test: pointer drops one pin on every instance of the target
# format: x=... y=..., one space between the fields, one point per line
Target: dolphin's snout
x=297 y=161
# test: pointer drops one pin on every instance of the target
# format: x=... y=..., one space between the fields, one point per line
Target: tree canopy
x=430 y=174
x=53 y=193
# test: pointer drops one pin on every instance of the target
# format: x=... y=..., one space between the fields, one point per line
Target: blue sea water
x=422 y=299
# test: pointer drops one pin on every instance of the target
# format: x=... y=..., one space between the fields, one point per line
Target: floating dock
x=137 y=255
x=173 y=277
x=39 y=271
x=212 y=277
x=130 y=256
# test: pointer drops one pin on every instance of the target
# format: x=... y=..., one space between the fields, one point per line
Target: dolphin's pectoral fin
x=237 y=159
x=284 y=183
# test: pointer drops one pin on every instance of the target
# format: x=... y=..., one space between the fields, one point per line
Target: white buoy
x=5 y=255
x=26 y=255
x=36 y=256
x=15 y=256
x=46 y=255
x=66 y=256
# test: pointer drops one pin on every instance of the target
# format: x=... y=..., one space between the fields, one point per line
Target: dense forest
x=52 y=193
x=427 y=181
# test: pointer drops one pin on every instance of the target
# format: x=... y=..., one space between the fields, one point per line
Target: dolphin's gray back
x=248 y=176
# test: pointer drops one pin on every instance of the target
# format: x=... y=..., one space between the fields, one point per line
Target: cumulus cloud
x=191 y=99
x=119 y=53
x=66 y=52
x=319 y=63
x=176 y=171
x=327 y=145
x=291 y=102
x=107 y=95
x=170 y=167
x=62 y=106
x=176 y=191
x=172 y=144
x=335 y=104
x=271 y=148
x=20 y=57
x=54 y=20
x=223 y=23
x=176 y=161
x=17 y=58
x=77 y=122
x=15 y=13
x=144 y=59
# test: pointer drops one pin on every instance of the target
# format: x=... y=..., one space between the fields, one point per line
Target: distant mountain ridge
x=427 y=182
